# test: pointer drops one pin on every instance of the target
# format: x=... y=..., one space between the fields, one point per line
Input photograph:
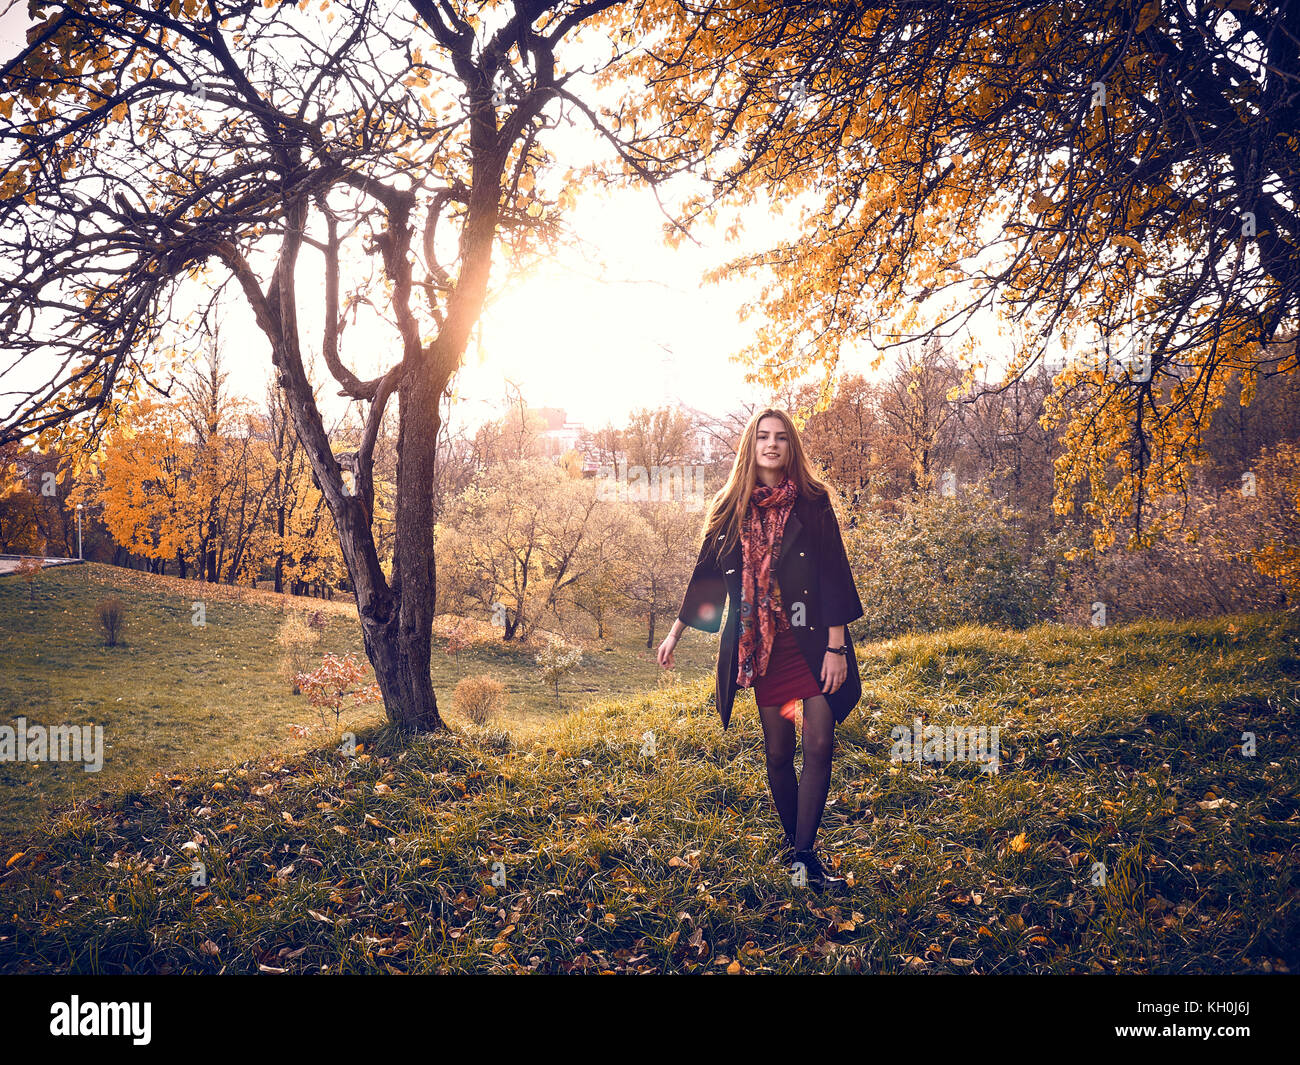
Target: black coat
x=812 y=570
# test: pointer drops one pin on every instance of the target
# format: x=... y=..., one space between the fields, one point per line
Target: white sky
x=597 y=340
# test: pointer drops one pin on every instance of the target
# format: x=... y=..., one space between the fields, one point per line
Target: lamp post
x=79 y=555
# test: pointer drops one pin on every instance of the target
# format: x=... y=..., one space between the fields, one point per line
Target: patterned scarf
x=761 y=614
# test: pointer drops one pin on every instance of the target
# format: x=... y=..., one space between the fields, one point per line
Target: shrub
x=335 y=681
x=111 y=619
x=299 y=636
x=948 y=562
x=557 y=659
x=460 y=638
x=479 y=698
x=28 y=569
x=1227 y=549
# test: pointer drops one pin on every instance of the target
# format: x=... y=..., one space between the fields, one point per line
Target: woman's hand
x=666 y=651
x=835 y=669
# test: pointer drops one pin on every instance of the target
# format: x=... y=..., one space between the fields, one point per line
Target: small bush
x=111 y=619
x=299 y=636
x=337 y=680
x=1227 y=550
x=557 y=659
x=949 y=562
x=479 y=698
x=29 y=569
x=460 y=638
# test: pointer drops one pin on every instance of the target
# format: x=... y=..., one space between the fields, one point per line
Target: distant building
x=560 y=435
x=706 y=445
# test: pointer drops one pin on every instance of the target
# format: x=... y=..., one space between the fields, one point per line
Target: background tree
x=514 y=437
x=850 y=438
x=383 y=152
x=604 y=446
x=660 y=437
x=1119 y=177
x=520 y=538
x=146 y=497
x=290 y=479
x=919 y=414
x=228 y=477
x=1001 y=440
x=613 y=545
x=20 y=503
x=664 y=545
x=1278 y=517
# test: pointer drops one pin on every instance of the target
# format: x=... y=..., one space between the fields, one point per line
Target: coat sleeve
x=839 y=596
x=706 y=594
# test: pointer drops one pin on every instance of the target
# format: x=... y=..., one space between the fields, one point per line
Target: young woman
x=772 y=547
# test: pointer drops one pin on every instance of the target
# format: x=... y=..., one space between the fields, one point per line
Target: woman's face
x=772 y=444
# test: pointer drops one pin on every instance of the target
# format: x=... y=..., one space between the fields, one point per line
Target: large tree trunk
x=398 y=627
x=396 y=623
x=397 y=618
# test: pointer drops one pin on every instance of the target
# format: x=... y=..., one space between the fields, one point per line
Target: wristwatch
x=843 y=649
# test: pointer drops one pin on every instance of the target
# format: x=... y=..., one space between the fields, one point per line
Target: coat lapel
x=729 y=557
x=793 y=526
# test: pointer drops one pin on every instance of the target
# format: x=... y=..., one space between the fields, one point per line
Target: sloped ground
x=174 y=693
x=637 y=835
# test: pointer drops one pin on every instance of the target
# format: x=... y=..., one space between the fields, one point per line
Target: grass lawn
x=590 y=847
x=175 y=694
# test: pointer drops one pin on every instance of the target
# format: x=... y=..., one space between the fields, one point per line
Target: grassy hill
x=177 y=694
x=614 y=853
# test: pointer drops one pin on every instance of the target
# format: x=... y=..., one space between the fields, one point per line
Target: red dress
x=788 y=676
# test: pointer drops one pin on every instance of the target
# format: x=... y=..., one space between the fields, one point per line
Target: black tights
x=799 y=803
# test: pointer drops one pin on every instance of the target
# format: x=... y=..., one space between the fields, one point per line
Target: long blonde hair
x=727 y=508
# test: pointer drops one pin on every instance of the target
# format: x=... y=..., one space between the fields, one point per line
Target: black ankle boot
x=818 y=877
